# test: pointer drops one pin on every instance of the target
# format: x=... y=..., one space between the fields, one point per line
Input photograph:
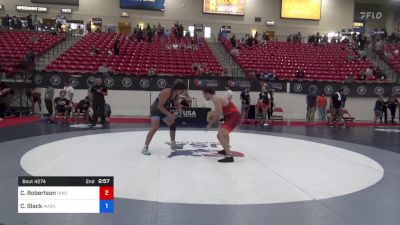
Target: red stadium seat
x=137 y=58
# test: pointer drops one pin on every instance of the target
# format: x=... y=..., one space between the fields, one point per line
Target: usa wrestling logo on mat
x=201 y=149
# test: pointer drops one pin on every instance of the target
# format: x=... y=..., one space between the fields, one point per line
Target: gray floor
x=377 y=205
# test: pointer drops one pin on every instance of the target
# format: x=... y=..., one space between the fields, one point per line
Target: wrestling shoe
x=145 y=151
x=222 y=152
x=228 y=159
x=174 y=145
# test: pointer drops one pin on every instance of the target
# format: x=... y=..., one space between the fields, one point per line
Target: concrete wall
x=336 y=14
x=137 y=103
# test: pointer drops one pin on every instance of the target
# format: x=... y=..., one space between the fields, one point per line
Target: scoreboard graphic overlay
x=65 y=194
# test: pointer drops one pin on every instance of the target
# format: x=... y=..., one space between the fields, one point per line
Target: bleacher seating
x=394 y=61
x=135 y=58
x=15 y=45
x=321 y=63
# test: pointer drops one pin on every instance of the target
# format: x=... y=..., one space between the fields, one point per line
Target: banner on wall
x=226 y=29
x=235 y=84
x=114 y=82
x=359 y=26
x=198 y=27
x=158 y=5
x=352 y=90
x=34 y=9
x=66 y=11
x=97 y=21
x=119 y=82
x=58 y=2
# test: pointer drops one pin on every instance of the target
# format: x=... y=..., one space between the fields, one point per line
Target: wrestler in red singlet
x=226 y=108
x=232 y=116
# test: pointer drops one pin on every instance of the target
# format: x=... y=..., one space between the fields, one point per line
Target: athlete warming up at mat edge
x=159 y=110
x=223 y=106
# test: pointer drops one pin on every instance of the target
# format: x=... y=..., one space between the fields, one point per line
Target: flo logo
x=372 y=15
x=201 y=149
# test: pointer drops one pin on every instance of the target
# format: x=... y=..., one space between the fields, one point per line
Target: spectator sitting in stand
x=36 y=39
x=152 y=72
x=273 y=76
x=351 y=57
x=301 y=74
x=93 y=51
x=363 y=75
x=369 y=73
x=388 y=55
x=235 y=52
x=196 y=67
x=104 y=69
x=378 y=74
x=350 y=79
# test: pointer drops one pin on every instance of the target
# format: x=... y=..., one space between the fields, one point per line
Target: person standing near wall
x=384 y=115
x=336 y=108
x=263 y=104
x=378 y=109
x=69 y=90
x=4 y=91
x=98 y=92
x=322 y=103
x=245 y=98
x=48 y=99
x=271 y=103
x=311 y=106
x=393 y=103
x=229 y=93
x=34 y=97
x=117 y=46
